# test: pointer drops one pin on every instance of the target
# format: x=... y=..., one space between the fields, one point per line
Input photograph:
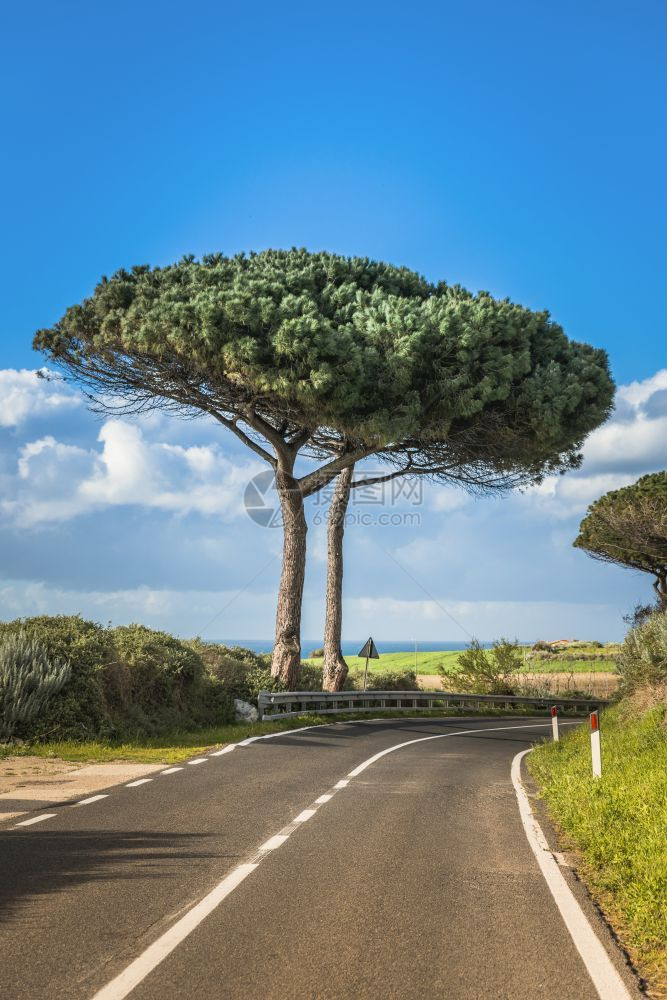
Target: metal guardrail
x=288 y=703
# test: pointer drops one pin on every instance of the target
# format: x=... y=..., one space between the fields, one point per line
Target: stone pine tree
x=628 y=527
x=494 y=450
x=323 y=357
x=288 y=350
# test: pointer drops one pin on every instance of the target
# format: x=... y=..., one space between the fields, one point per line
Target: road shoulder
x=31 y=783
x=568 y=864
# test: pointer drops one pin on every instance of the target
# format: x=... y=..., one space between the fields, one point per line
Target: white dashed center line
x=171 y=770
x=274 y=842
x=36 y=819
x=87 y=802
x=303 y=816
x=124 y=983
x=198 y=760
x=141 y=781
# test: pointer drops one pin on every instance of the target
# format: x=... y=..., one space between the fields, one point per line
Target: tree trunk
x=660 y=587
x=334 y=666
x=286 y=659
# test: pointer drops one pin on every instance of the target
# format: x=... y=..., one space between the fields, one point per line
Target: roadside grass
x=617 y=825
x=177 y=747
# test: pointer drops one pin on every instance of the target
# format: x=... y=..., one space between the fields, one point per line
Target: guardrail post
x=596 y=754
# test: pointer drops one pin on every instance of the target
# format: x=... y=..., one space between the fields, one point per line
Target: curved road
x=413 y=879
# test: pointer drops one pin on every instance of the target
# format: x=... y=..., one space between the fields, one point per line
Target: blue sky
x=518 y=148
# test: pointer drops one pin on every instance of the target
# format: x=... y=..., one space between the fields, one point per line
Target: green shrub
x=159 y=669
x=487 y=671
x=29 y=679
x=386 y=680
x=218 y=658
x=239 y=672
x=643 y=659
x=317 y=654
x=78 y=710
x=158 y=683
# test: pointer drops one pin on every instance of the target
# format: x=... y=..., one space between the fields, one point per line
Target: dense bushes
x=123 y=682
x=131 y=681
x=79 y=709
x=29 y=678
x=643 y=659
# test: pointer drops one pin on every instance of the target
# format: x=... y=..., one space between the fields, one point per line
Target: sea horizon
x=350 y=647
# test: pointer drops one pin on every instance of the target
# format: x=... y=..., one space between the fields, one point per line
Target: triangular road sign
x=369 y=649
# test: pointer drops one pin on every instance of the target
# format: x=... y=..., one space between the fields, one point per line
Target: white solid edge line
x=440 y=736
x=606 y=980
x=139 y=781
x=171 y=770
x=123 y=984
x=89 y=801
x=36 y=819
x=282 y=732
x=343 y=783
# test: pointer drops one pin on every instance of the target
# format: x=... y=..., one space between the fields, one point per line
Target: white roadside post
x=554 y=722
x=596 y=756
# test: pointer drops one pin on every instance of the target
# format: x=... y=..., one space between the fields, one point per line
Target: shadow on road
x=52 y=862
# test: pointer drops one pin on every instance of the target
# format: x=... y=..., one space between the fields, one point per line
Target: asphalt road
x=415 y=879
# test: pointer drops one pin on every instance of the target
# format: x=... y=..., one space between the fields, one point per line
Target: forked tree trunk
x=286 y=659
x=334 y=667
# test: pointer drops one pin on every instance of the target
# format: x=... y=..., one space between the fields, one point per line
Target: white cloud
x=189 y=612
x=445 y=500
x=639 y=393
x=56 y=481
x=632 y=443
x=183 y=612
x=527 y=620
x=23 y=395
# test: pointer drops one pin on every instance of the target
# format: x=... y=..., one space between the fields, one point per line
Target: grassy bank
x=617 y=825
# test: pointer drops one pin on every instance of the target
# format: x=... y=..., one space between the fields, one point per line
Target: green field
x=428 y=663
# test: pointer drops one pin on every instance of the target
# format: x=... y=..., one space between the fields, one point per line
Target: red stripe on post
x=554 y=711
x=595 y=722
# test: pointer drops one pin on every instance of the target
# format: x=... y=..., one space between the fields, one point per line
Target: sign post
x=596 y=756
x=554 y=722
x=369 y=650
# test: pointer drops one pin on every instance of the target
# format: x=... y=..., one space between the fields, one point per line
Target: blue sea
x=352 y=646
